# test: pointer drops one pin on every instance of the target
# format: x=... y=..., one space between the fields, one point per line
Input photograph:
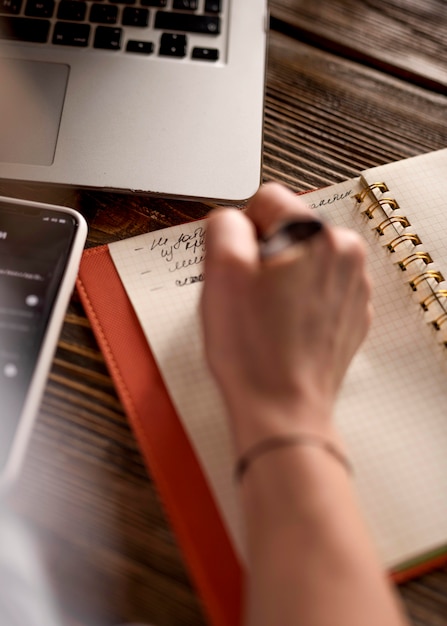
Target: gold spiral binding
x=435 y=296
x=362 y=195
x=400 y=219
x=426 y=302
x=379 y=203
x=437 y=323
x=425 y=276
x=405 y=237
x=423 y=256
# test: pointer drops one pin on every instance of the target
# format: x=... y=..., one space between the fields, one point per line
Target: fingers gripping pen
x=288 y=234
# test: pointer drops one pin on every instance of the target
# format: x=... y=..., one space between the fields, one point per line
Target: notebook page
x=391 y=409
x=383 y=404
x=163 y=273
x=407 y=458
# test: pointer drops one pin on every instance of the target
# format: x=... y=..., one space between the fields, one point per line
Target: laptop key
x=205 y=54
x=39 y=8
x=72 y=10
x=154 y=3
x=108 y=38
x=104 y=14
x=68 y=34
x=135 y=17
x=142 y=47
x=172 y=45
x=212 y=6
x=10 y=6
x=186 y=5
x=185 y=22
x=24 y=29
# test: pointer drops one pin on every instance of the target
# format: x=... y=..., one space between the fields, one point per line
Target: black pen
x=288 y=234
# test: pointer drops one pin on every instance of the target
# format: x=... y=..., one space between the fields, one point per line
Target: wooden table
x=349 y=85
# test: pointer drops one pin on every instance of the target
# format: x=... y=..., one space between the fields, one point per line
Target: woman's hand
x=281 y=333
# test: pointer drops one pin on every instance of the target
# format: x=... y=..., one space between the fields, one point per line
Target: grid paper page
x=389 y=393
x=162 y=273
x=402 y=437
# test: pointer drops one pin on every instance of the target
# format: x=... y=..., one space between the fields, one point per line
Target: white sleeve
x=25 y=595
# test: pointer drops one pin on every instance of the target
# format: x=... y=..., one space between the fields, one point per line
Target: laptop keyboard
x=170 y=28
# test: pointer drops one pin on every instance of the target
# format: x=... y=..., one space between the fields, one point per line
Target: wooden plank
x=404 y=37
x=327 y=118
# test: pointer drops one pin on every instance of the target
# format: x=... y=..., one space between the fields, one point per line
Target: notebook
x=157 y=96
x=390 y=409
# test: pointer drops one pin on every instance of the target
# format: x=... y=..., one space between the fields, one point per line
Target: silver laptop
x=158 y=96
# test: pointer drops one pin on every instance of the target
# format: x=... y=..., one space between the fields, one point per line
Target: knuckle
x=349 y=245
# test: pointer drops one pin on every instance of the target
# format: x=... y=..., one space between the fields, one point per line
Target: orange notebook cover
x=208 y=552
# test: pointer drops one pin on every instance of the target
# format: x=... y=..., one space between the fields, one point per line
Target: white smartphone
x=40 y=251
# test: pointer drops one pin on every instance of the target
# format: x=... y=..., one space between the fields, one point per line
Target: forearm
x=311 y=562
x=280 y=334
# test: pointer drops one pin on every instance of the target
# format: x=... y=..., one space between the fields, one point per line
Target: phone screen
x=35 y=245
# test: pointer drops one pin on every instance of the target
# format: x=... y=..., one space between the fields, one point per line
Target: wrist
x=256 y=417
x=293 y=487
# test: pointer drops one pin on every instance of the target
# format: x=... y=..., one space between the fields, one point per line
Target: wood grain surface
x=84 y=489
x=402 y=37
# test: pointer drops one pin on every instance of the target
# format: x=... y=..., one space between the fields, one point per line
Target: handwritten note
x=185 y=251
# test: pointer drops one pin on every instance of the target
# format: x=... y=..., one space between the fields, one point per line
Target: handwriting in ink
x=190 y=280
x=181 y=265
x=161 y=241
x=193 y=243
x=336 y=197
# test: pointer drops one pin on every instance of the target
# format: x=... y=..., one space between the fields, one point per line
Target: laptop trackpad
x=31 y=100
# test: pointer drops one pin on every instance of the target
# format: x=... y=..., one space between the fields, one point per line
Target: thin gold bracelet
x=281 y=441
